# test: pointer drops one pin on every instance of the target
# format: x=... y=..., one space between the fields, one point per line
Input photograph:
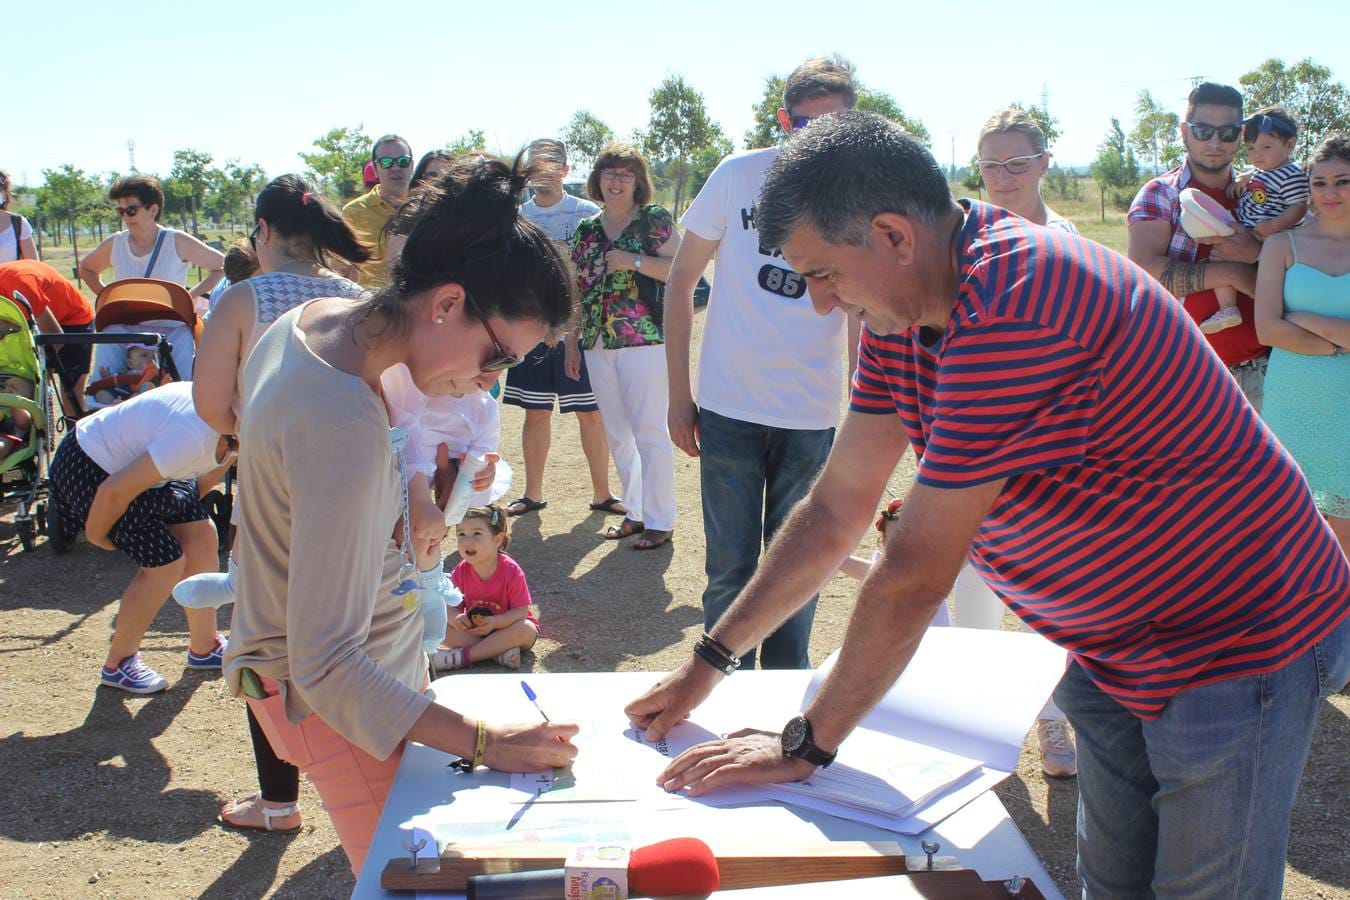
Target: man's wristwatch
x=637 y=262
x=797 y=742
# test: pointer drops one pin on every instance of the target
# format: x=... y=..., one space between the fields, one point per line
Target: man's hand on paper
x=530 y=748
x=748 y=756
x=669 y=702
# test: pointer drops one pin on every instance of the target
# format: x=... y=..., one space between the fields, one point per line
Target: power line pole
x=1045 y=100
x=131 y=154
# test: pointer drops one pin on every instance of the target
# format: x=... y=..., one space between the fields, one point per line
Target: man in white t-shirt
x=770 y=371
x=541 y=379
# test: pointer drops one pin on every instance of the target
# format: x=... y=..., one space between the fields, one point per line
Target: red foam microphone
x=665 y=869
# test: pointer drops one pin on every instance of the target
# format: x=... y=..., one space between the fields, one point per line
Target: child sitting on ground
x=140 y=374
x=496 y=620
x=1274 y=195
x=15 y=423
x=442 y=431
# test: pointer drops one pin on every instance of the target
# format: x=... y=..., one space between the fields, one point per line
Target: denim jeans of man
x=1197 y=803
x=752 y=476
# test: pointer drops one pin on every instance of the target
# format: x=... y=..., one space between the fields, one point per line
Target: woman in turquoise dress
x=1303 y=313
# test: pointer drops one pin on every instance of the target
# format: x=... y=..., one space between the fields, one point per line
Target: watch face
x=794 y=735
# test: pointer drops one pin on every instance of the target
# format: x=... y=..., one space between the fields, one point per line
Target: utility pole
x=1045 y=100
x=951 y=171
x=131 y=155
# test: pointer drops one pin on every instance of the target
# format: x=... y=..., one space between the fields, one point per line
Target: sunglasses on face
x=387 y=162
x=500 y=358
x=622 y=175
x=1227 y=133
x=1018 y=165
x=129 y=211
x=1262 y=124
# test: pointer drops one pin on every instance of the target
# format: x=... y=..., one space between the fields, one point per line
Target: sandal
x=651 y=539
x=526 y=505
x=626 y=528
x=251 y=805
x=610 y=505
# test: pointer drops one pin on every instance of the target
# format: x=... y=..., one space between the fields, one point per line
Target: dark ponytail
x=466 y=228
x=293 y=209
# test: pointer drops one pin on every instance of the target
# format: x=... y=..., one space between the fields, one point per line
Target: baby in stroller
x=15 y=422
x=140 y=373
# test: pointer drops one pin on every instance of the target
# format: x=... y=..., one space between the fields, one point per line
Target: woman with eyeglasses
x=322 y=644
x=146 y=249
x=1013 y=159
x=623 y=258
x=299 y=234
x=16 y=235
x=1302 y=312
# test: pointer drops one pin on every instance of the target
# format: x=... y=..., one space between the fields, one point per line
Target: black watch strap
x=722 y=662
x=799 y=743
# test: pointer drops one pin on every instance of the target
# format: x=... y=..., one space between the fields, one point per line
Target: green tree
x=67 y=194
x=973 y=180
x=705 y=159
x=1319 y=105
x=1116 y=169
x=1156 y=134
x=1048 y=125
x=192 y=169
x=884 y=105
x=339 y=161
x=585 y=136
x=470 y=141
x=678 y=128
x=767 y=131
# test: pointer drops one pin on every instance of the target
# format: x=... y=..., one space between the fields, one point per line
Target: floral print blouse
x=610 y=308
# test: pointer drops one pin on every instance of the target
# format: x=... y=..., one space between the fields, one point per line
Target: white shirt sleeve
x=183 y=450
x=487 y=433
x=707 y=215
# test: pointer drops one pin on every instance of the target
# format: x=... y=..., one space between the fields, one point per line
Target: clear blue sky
x=258 y=81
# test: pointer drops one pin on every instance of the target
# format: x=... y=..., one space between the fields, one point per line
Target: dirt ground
x=113 y=795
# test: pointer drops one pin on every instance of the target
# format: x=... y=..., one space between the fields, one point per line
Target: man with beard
x=1191 y=269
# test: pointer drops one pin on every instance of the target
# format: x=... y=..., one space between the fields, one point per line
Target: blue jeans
x=752 y=476
x=1197 y=802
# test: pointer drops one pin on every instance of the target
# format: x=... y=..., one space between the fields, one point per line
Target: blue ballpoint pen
x=529 y=692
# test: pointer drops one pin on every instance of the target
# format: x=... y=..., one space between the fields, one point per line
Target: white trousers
x=977 y=606
x=634 y=396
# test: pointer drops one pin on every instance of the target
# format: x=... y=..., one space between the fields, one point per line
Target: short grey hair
x=842 y=170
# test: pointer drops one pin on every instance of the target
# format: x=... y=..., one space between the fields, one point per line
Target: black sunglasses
x=1227 y=133
x=128 y=211
x=387 y=162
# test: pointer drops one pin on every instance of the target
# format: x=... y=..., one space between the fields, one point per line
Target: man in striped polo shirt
x=1084 y=447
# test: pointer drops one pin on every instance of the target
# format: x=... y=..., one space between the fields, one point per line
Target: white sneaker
x=1059 y=756
x=1228 y=317
x=447 y=660
x=210 y=590
x=510 y=659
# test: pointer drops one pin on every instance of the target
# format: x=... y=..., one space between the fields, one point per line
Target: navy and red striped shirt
x=1150 y=522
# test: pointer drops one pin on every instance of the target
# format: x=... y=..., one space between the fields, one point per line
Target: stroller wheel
x=27 y=533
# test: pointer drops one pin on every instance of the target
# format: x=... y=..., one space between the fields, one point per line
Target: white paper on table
x=966 y=691
x=885 y=774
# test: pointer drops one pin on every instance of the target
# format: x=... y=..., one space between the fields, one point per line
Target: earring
x=440 y=320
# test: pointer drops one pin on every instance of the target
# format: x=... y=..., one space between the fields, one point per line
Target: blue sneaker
x=212 y=660
x=133 y=675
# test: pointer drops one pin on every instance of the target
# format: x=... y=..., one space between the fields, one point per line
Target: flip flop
x=610 y=505
x=651 y=539
x=530 y=506
x=626 y=528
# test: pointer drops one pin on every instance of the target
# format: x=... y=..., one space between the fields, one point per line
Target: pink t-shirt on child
x=505 y=590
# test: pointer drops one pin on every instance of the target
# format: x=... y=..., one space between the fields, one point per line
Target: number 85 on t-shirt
x=784 y=282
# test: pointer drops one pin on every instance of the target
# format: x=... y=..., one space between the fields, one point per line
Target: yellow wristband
x=480 y=748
